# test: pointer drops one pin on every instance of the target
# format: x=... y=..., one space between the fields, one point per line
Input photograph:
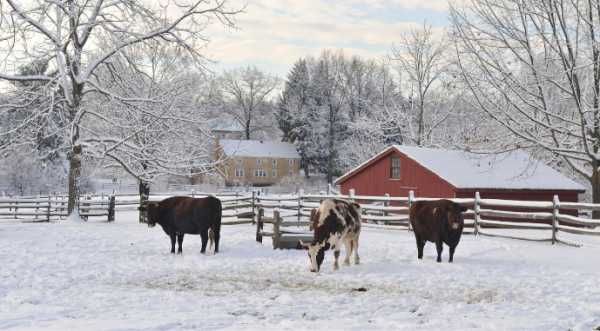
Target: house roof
x=259 y=148
x=464 y=170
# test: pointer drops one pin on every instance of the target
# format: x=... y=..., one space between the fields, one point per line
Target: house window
x=239 y=172
x=274 y=172
x=291 y=162
x=274 y=163
x=239 y=163
x=395 y=167
x=260 y=173
x=258 y=162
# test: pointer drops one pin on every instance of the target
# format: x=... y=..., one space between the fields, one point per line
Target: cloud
x=275 y=33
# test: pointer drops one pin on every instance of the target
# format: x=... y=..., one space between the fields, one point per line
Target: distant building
x=226 y=127
x=257 y=162
x=440 y=173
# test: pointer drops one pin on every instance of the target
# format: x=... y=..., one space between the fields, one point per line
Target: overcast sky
x=273 y=34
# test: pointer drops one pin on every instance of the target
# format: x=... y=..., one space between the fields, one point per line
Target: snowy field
x=120 y=276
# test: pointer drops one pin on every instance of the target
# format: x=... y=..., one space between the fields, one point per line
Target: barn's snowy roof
x=464 y=170
x=259 y=148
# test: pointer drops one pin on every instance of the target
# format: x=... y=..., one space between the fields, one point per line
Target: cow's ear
x=463 y=209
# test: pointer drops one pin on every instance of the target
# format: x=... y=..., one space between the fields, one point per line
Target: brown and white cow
x=334 y=223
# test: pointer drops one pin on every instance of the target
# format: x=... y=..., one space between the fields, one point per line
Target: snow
x=75 y=217
x=259 y=148
x=512 y=170
x=120 y=276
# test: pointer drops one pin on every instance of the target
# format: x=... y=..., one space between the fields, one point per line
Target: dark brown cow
x=180 y=215
x=439 y=221
x=334 y=223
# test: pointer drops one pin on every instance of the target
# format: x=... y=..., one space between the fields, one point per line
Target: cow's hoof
x=347 y=262
x=357 y=261
x=439 y=260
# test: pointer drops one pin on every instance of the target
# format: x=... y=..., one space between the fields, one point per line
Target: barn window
x=395 y=167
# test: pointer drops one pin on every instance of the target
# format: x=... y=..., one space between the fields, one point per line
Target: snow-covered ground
x=120 y=276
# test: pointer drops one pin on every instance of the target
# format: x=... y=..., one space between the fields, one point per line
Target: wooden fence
x=542 y=220
x=546 y=220
x=46 y=209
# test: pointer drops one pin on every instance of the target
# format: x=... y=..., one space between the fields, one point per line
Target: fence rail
x=484 y=216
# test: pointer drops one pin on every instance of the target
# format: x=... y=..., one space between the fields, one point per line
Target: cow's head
x=150 y=212
x=455 y=217
x=316 y=254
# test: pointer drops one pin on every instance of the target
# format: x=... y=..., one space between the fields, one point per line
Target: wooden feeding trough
x=282 y=238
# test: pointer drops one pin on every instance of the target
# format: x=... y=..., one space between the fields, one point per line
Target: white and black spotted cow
x=334 y=223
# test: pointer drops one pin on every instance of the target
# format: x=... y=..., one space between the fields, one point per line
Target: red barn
x=439 y=173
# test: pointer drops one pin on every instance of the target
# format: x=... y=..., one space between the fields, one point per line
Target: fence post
x=253 y=201
x=300 y=194
x=411 y=199
x=555 y=211
x=276 y=228
x=259 y=225
x=476 y=210
x=351 y=193
x=111 y=208
x=37 y=204
x=48 y=208
x=193 y=193
x=386 y=203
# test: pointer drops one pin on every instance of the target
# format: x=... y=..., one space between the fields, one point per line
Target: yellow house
x=257 y=162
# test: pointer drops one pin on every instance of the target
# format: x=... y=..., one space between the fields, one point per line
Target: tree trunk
x=74 y=175
x=595 y=181
x=305 y=166
x=144 y=191
x=247 y=130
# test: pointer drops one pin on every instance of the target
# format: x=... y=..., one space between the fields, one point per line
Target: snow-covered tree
x=534 y=68
x=68 y=34
x=249 y=91
x=422 y=61
x=155 y=127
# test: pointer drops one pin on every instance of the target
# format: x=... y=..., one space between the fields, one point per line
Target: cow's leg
x=180 y=242
x=420 y=246
x=439 y=245
x=348 y=246
x=355 y=245
x=451 y=258
x=335 y=243
x=217 y=235
x=204 y=237
x=172 y=243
